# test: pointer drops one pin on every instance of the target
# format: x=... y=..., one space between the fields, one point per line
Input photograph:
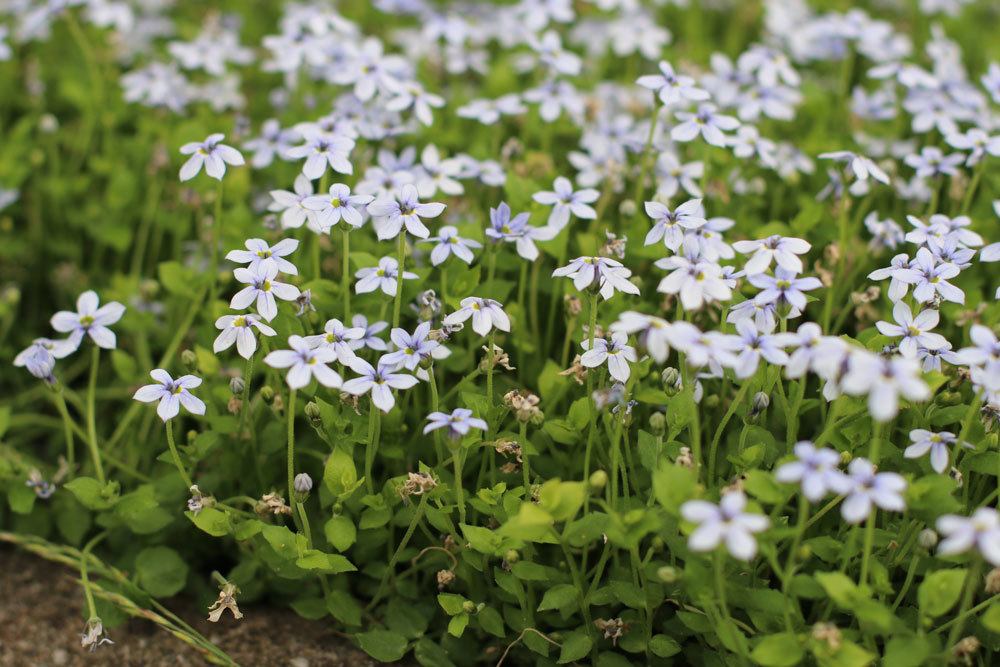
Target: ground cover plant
x=541 y=332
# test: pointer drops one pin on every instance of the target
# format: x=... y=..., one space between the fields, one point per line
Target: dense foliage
x=607 y=331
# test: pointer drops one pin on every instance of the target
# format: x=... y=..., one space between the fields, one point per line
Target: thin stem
x=525 y=466
x=291 y=445
x=714 y=446
x=95 y=452
x=390 y=568
x=245 y=408
x=85 y=577
x=216 y=240
x=800 y=529
x=489 y=373
x=457 y=457
x=972 y=582
x=970 y=191
x=176 y=455
x=400 y=258
x=60 y=402
x=640 y=184
x=345 y=277
x=374 y=415
x=867 y=552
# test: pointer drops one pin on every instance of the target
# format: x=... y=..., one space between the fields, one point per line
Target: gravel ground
x=41 y=620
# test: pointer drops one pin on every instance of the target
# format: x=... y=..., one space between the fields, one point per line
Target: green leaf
x=490 y=620
x=316 y=560
x=781 y=650
x=531 y=523
x=383 y=645
x=558 y=597
x=673 y=485
x=562 y=499
x=161 y=571
x=483 y=540
x=664 y=646
x=92 y=494
x=991 y=619
x=575 y=646
x=343 y=607
x=21 y=498
x=340 y=474
x=212 y=521
x=457 y=624
x=939 y=591
x=451 y=603
x=340 y=532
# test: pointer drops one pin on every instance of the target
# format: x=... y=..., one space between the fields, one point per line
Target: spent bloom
x=458 y=423
x=90 y=319
x=726 y=522
x=305 y=363
x=485 y=314
x=171 y=394
x=212 y=154
x=239 y=329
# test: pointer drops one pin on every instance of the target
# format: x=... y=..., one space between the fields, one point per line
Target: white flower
x=774 y=248
x=89 y=319
x=485 y=314
x=816 y=470
x=305 y=363
x=379 y=381
x=980 y=531
x=210 y=153
x=609 y=275
x=725 y=522
x=862 y=167
x=706 y=122
x=670 y=226
x=339 y=204
x=40 y=357
x=338 y=337
x=672 y=88
x=292 y=207
x=381 y=277
x=259 y=255
x=651 y=332
x=239 y=329
x=884 y=380
x=171 y=394
x=615 y=352
x=262 y=288
x=696 y=280
x=391 y=215
x=915 y=331
x=448 y=243
x=321 y=149
x=869 y=488
x=565 y=202
x=936 y=443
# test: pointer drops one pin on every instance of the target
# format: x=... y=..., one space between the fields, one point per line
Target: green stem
x=640 y=184
x=95 y=452
x=866 y=554
x=374 y=416
x=176 y=455
x=972 y=582
x=800 y=529
x=525 y=466
x=217 y=239
x=245 y=408
x=390 y=568
x=60 y=402
x=345 y=277
x=970 y=191
x=84 y=575
x=457 y=457
x=291 y=446
x=400 y=258
x=489 y=374
x=714 y=446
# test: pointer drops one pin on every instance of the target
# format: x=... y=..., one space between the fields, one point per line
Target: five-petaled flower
x=171 y=394
x=726 y=522
x=305 y=363
x=485 y=314
x=458 y=423
x=212 y=154
x=90 y=319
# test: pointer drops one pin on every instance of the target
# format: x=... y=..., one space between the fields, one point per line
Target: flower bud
x=190 y=360
x=950 y=398
x=267 y=394
x=237 y=386
x=657 y=543
x=598 y=480
x=511 y=556
x=670 y=377
x=927 y=539
x=302 y=483
x=313 y=414
x=469 y=607
x=711 y=401
x=658 y=423
x=761 y=401
x=668 y=574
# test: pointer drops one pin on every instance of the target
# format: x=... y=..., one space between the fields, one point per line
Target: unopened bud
x=190 y=360
x=598 y=480
x=469 y=607
x=658 y=423
x=927 y=539
x=668 y=574
x=312 y=413
x=670 y=377
x=711 y=401
x=303 y=483
x=761 y=401
x=237 y=385
x=267 y=394
x=511 y=556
